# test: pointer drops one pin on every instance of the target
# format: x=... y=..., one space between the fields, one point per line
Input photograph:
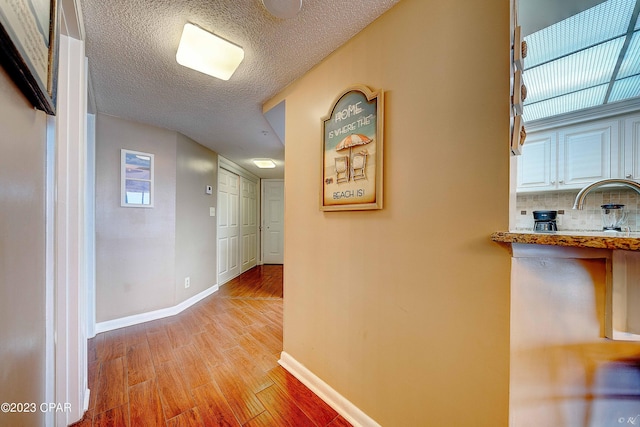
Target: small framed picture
x=136 y=179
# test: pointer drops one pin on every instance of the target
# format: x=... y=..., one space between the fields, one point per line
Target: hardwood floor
x=215 y=364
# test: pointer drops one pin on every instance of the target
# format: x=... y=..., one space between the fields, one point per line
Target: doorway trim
x=69 y=244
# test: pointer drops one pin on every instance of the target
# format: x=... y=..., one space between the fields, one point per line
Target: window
x=136 y=182
x=585 y=61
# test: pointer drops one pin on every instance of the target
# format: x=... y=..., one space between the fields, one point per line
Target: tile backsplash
x=588 y=219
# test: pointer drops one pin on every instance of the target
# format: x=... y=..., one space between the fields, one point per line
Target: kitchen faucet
x=579 y=203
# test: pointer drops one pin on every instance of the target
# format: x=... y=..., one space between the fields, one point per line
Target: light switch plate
x=209 y=189
x=212 y=211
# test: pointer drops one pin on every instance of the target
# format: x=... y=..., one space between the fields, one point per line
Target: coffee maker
x=545 y=221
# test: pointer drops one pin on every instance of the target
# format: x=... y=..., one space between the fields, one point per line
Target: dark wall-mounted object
x=29 y=49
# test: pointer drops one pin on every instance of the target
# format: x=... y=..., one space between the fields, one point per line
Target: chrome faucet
x=579 y=203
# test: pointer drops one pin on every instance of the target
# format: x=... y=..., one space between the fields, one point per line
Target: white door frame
x=50 y=248
x=90 y=223
x=68 y=252
x=249 y=233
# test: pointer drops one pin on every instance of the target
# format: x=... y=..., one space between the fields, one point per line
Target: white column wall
x=71 y=329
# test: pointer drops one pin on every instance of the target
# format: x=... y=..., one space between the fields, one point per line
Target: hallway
x=214 y=364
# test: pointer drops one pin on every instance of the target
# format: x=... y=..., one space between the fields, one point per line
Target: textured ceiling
x=131 y=46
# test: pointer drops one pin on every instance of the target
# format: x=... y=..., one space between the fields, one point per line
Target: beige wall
x=405 y=311
x=196 y=168
x=144 y=254
x=22 y=253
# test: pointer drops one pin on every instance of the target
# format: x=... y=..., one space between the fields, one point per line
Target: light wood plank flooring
x=215 y=364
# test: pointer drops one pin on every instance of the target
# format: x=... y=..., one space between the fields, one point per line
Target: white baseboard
x=153 y=315
x=344 y=407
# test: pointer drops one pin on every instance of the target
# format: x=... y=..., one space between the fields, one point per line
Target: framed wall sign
x=29 y=48
x=352 y=142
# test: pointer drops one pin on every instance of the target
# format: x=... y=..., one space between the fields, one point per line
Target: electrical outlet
x=187 y=282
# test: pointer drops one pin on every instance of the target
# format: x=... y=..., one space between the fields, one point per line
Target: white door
x=273 y=221
x=249 y=212
x=228 y=226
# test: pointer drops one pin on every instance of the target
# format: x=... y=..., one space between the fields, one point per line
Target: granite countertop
x=576 y=239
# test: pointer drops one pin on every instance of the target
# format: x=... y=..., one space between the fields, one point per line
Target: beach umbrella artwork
x=349 y=142
x=353 y=140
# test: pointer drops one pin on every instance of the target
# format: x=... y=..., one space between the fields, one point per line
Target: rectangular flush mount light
x=264 y=163
x=208 y=53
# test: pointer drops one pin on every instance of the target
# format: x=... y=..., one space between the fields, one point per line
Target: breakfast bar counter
x=576 y=239
x=561 y=257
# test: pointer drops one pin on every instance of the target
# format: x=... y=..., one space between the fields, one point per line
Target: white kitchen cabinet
x=537 y=164
x=570 y=157
x=632 y=147
x=587 y=153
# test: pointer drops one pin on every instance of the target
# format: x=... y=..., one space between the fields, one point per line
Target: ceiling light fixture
x=207 y=53
x=283 y=9
x=264 y=163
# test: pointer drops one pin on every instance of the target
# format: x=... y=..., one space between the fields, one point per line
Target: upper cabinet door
x=632 y=147
x=537 y=164
x=587 y=153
